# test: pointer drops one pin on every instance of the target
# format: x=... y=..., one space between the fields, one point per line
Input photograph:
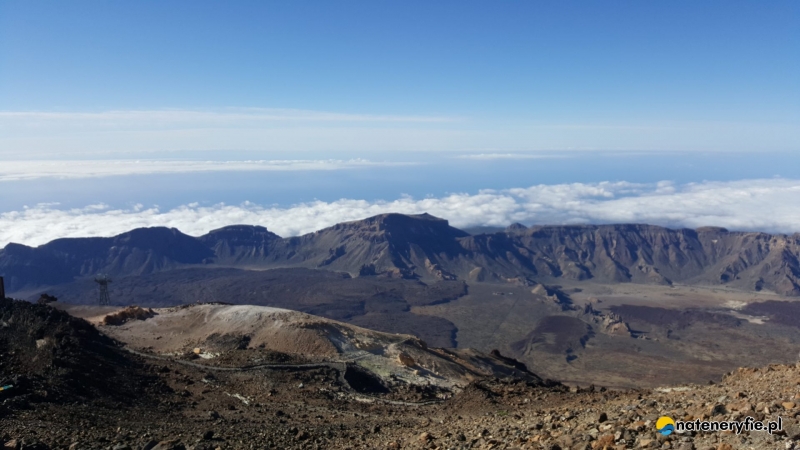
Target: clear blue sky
x=432 y=98
x=565 y=61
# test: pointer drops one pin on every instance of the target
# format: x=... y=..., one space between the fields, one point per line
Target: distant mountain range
x=428 y=248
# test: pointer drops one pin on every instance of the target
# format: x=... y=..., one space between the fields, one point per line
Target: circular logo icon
x=665 y=425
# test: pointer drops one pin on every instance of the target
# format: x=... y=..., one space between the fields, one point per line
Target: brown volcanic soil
x=182 y=405
x=217 y=334
x=782 y=312
x=308 y=409
x=677 y=334
x=47 y=355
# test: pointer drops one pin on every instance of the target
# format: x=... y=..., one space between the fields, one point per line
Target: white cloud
x=509 y=156
x=183 y=117
x=69 y=169
x=63 y=135
x=766 y=204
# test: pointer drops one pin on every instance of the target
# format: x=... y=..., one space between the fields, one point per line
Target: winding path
x=339 y=366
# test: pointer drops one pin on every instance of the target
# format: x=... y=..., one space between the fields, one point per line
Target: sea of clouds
x=771 y=205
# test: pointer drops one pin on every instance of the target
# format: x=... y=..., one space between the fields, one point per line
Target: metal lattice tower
x=103 y=298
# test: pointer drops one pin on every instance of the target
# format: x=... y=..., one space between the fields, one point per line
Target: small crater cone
x=127 y=314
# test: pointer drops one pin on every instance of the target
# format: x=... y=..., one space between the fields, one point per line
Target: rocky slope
x=227 y=402
x=217 y=332
x=651 y=254
x=241 y=245
x=46 y=355
x=392 y=244
x=140 y=251
x=428 y=248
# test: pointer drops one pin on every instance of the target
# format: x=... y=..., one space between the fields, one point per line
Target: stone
x=405 y=359
x=791 y=429
x=602 y=418
x=33 y=446
x=717 y=410
x=646 y=443
x=639 y=425
x=169 y=445
x=741 y=406
x=149 y=445
x=565 y=441
x=208 y=435
x=788 y=405
x=13 y=444
x=425 y=437
x=213 y=415
x=602 y=442
x=202 y=446
x=302 y=435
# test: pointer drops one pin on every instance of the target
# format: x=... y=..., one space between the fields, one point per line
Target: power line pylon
x=103 y=298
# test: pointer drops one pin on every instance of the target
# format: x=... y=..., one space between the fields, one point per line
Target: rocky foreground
x=302 y=410
x=74 y=388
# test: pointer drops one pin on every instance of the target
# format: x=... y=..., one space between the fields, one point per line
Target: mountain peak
x=240 y=232
x=406 y=225
x=711 y=230
x=398 y=218
x=240 y=244
x=516 y=226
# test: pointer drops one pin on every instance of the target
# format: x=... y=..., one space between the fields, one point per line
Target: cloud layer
x=509 y=156
x=69 y=169
x=183 y=117
x=767 y=204
x=60 y=134
x=65 y=134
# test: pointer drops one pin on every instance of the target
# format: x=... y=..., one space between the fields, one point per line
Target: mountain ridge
x=428 y=248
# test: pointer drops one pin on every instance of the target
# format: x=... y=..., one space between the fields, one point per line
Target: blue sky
x=569 y=62
x=376 y=100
